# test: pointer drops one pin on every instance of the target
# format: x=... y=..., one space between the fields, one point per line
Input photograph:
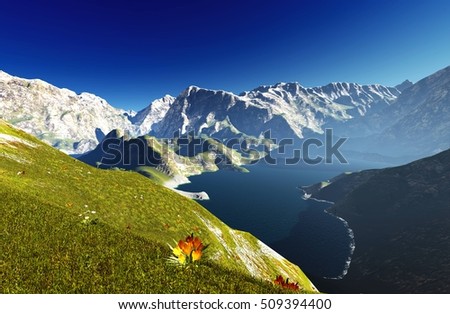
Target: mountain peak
x=286 y=86
x=195 y=89
x=116 y=133
x=190 y=89
x=147 y=119
x=404 y=85
x=167 y=97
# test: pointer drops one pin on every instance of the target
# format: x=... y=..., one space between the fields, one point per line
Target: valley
x=382 y=230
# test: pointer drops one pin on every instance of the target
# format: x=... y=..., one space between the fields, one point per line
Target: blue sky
x=131 y=52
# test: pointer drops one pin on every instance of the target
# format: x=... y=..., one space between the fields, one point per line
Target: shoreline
x=176 y=181
x=307 y=197
x=352 y=244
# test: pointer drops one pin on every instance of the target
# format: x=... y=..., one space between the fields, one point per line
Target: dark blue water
x=267 y=203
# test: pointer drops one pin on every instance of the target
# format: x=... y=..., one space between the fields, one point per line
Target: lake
x=267 y=203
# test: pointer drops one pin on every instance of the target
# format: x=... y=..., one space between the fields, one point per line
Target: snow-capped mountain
x=74 y=123
x=287 y=109
x=147 y=118
x=409 y=115
x=71 y=122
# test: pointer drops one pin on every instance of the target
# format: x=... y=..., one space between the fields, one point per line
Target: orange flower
x=185 y=246
x=285 y=283
x=279 y=280
x=196 y=255
x=189 y=250
x=197 y=244
x=292 y=286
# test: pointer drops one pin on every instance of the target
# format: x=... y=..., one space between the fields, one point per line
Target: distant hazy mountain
x=415 y=125
x=401 y=220
x=419 y=121
x=404 y=85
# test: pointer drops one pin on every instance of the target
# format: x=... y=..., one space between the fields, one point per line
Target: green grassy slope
x=45 y=247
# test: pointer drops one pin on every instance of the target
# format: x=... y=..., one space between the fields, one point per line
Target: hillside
x=49 y=246
x=401 y=222
x=151 y=156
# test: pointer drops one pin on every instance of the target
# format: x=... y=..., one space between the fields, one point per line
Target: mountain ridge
x=378 y=119
x=287 y=106
x=158 y=117
x=419 y=121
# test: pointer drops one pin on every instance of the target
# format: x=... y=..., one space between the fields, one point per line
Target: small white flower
x=80 y=215
x=85 y=206
x=86 y=217
x=93 y=212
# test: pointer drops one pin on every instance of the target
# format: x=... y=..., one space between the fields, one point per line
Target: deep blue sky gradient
x=131 y=52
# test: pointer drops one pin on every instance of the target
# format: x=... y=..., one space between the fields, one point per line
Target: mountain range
x=76 y=122
x=287 y=109
x=409 y=119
